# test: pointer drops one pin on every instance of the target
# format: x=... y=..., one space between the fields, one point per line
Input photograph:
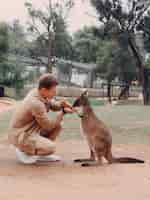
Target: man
x=31 y=131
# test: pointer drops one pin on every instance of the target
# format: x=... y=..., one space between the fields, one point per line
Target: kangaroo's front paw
x=78 y=160
x=85 y=164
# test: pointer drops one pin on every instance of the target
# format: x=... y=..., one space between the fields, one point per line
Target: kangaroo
x=98 y=136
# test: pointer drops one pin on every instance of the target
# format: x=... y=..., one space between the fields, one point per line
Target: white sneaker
x=49 y=158
x=27 y=159
x=24 y=158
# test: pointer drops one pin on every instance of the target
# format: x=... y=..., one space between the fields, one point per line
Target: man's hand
x=66 y=104
x=67 y=107
x=69 y=110
x=60 y=115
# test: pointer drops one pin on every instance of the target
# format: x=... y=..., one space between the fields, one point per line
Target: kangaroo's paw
x=91 y=164
x=86 y=165
x=83 y=160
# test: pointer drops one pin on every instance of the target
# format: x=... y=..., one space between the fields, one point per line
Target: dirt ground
x=66 y=180
x=4 y=107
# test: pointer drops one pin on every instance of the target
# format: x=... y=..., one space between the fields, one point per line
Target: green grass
x=128 y=124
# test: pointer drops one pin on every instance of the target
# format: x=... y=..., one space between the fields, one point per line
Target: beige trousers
x=40 y=144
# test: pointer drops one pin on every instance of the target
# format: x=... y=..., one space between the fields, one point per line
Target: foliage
x=18 y=44
x=85 y=45
x=47 y=23
x=115 y=61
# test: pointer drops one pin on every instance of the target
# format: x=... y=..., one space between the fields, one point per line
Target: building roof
x=44 y=60
x=82 y=66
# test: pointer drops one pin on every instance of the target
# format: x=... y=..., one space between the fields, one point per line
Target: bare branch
x=140 y=15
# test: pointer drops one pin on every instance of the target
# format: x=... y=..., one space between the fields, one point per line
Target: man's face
x=48 y=93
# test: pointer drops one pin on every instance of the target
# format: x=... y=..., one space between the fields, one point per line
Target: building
x=75 y=73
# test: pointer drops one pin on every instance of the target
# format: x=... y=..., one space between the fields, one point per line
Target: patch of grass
x=128 y=124
x=96 y=102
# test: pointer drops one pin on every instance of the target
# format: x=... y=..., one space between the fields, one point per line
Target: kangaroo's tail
x=127 y=160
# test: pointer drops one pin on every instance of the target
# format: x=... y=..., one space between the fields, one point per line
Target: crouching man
x=31 y=131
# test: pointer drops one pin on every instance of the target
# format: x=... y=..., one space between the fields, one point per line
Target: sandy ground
x=66 y=180
x=4 y=107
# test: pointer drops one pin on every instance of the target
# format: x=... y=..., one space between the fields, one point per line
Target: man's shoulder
x=33 y=99
x=32 y=93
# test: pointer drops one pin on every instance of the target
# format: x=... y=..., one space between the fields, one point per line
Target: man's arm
x=40 y=114
x=55 y=105
x=59 y=105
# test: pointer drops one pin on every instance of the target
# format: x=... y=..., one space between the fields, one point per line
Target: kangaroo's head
x=82 y=100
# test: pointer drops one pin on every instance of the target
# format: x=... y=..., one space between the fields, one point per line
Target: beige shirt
x=30 y=117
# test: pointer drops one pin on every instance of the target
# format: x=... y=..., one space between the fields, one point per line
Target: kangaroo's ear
x=85 y=93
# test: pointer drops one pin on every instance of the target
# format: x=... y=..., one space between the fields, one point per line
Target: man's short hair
x=47 y=81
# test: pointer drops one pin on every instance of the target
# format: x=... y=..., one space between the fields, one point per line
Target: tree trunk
x=146 y=89
x=92 y=77
x=49 y=64
x=2 y=93
x=141 y=71
x=109 y=91
x=69 y=76
x=124 y=94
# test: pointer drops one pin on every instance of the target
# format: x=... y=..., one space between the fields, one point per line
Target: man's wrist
x=62 y=104
x=63 y=111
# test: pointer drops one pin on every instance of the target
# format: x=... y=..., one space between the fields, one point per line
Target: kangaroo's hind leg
x=99 y=154
x=91 y=159
x=108 y=155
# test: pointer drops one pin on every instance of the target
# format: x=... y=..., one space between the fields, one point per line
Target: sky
x=78 y=17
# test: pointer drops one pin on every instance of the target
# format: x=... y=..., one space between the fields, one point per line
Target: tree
x=127 y=65
x=127 y=17
x=106 y=64
x=10 y=72
x=115 y=61
x=44 y=23
x=85 y=45
x=63 y=41
x=3 y=39
x=18 y=44
x=3 y=50
x=145 y=28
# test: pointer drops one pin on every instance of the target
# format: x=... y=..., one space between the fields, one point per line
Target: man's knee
x=52 y=135
x=51 y=147
x=47 y=149
x=58 y=127
x=46 y=134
